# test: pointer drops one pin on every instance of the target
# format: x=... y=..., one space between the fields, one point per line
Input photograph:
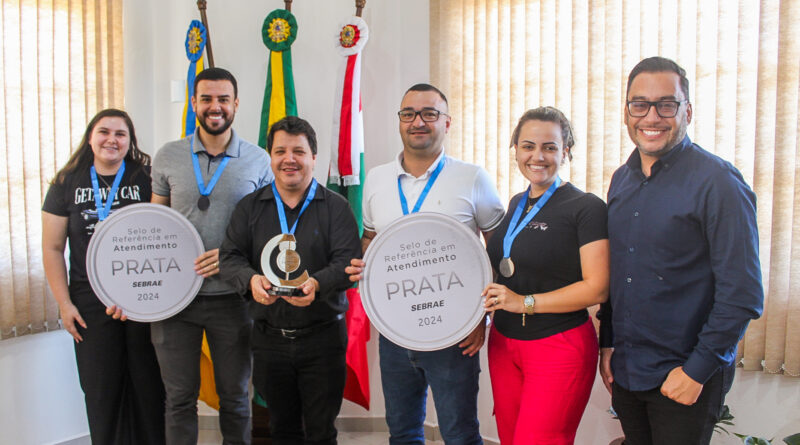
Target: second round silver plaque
x=423 y=279
x=141 y=259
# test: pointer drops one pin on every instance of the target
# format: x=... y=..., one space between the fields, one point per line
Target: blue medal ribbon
x=424 y=194
x=515 y=226
x=205 y=190
x=104 y=209
x=282 y=213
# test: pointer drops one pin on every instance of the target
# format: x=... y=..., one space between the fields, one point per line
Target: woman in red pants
x=552 y=255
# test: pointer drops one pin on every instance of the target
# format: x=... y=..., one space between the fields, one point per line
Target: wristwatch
x=529 y=303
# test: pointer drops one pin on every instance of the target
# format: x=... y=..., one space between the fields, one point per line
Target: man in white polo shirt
x=458 y=189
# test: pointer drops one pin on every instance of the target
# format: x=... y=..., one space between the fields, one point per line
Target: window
x=61 y=63
x=496 y=58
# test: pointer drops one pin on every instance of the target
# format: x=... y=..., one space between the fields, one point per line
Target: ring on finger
x=494 y=303
x=216 y=265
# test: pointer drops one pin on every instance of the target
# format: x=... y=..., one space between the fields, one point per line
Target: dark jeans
x=650 y=418
x=301 y=376
x=453 y=378
x=119 y=376
x=178 y=341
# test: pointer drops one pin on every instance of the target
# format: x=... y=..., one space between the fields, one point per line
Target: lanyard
x=282 y=213
x=424 y=194
x=104 y=209
x=513 y=228
x=205 y=190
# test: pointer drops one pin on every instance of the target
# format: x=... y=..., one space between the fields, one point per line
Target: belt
x=291 y=334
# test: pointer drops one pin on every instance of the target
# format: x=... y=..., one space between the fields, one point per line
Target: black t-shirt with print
x=75 y=200
x=546 y=257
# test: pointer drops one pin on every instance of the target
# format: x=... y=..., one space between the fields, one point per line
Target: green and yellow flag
x=278 y=33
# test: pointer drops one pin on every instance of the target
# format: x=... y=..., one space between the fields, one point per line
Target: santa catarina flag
x=345 y=176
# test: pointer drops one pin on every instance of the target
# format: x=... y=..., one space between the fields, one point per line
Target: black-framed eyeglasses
x=427 y=115
x=664 y=108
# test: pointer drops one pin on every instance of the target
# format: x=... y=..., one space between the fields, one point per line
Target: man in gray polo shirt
x=203 y=177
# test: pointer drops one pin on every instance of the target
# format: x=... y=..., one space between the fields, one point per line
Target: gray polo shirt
x=173 y=176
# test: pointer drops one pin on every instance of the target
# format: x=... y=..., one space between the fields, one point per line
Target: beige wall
x=40 y=400
x=395 y=57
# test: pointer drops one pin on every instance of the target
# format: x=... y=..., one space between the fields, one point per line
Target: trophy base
x=281 y=291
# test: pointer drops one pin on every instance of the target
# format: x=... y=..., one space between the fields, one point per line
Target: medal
x=515 y=226
x=204 y=202
x=506 y=267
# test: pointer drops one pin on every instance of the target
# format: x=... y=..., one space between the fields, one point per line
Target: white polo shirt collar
x=400 y=171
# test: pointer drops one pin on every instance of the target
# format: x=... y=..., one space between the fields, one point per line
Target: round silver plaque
x=142 y=259
x=423 y=279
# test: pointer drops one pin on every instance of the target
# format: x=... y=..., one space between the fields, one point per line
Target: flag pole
x=346 y=177
x=208 y=386
x=201 y=5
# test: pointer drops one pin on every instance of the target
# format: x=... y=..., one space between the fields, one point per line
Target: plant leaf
x=725 y=414
x=794 y=439
x=750 y=440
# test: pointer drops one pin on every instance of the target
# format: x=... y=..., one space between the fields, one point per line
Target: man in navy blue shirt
x=685 y=273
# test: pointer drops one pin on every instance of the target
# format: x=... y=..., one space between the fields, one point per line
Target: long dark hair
x=83 y=157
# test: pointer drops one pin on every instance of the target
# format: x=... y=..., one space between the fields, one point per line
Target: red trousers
x=541 y=387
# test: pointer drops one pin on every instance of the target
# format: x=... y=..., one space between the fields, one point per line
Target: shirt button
x=628 y=279
x=630 y=249
x=635 y=213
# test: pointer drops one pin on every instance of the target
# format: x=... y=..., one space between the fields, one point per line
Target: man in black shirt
x=307 y=235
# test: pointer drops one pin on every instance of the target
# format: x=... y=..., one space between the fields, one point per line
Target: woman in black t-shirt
x=117 y=365
x=551 y=250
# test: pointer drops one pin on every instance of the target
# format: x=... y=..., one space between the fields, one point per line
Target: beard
x=226 y=123
x=424 y=144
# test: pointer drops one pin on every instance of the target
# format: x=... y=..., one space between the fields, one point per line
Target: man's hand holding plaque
x=355 y=269
x=207 y=264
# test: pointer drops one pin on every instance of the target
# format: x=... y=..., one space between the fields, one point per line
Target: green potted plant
x=726 y=418
x=794 y=439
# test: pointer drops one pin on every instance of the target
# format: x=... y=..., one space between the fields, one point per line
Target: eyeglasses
x=427 y=115
x=664 y=108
